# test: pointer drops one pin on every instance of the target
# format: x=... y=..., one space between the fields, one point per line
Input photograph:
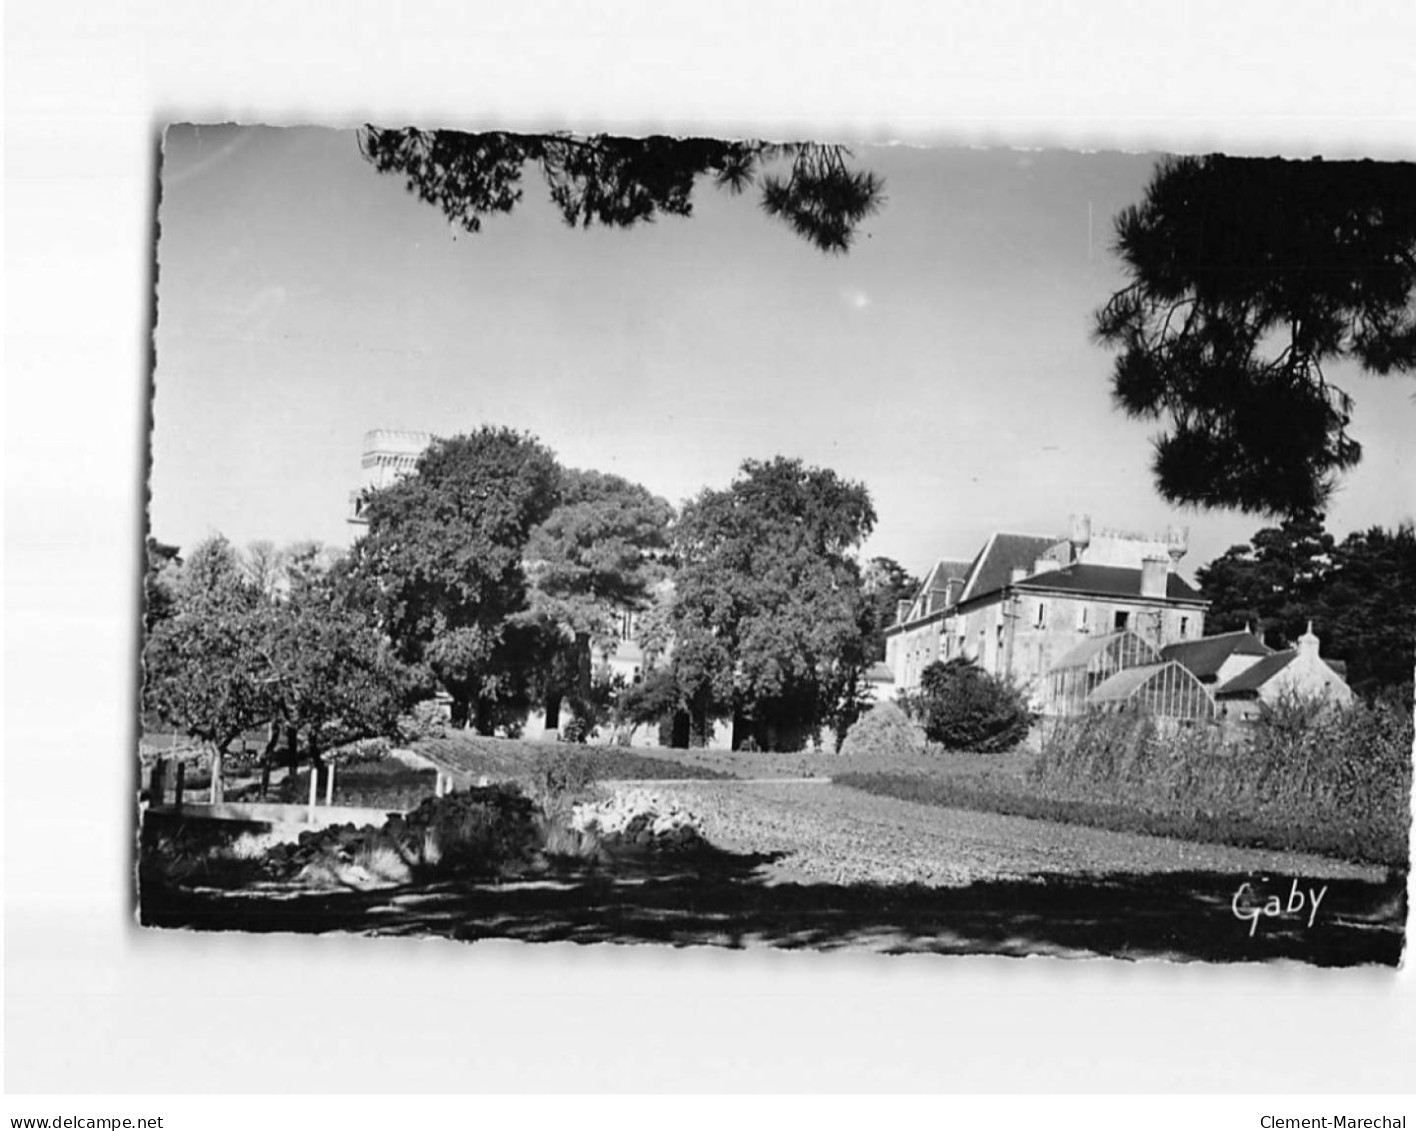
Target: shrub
x=962 y=707
x=428 y=719
x=483 y=830
x=883 y=730
x=559 y=774
x=1316 y=776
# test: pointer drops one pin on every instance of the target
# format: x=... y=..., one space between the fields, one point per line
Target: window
x=1123 y=618
x=1084 y=619
x=1184 y=627
x=1041 y=621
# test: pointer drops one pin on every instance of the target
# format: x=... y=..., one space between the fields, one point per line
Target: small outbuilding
x=1299 y=671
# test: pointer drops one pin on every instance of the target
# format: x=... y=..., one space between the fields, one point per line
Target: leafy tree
x=885 y=583
x=1269 y=585
x=963 y=707
x=620 y=182
x=1248 y=278
x=161 y=576
x=767 y=618
x=1367 y=610
x=1359 y=594
x=334 y=677
x=444 y=556
x=594 y=559
x=204 y=667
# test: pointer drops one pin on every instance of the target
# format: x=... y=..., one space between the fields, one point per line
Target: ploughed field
x=831 y=834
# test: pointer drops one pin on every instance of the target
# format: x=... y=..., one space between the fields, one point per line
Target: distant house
x=1297 y=671
x=880 y=683
x=1026 y=601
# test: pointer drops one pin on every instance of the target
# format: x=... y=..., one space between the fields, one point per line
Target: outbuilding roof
x=1256 y=675
x=1206 y=655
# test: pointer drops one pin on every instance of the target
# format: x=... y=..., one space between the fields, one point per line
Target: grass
x=514 y=759
x=1336 y=786
x=1205 y=828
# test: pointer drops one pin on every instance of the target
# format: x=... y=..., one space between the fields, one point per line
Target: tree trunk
x=582 y=667
x=461 y=711
x=216 y=792
x=268 y=756
x=484 y=720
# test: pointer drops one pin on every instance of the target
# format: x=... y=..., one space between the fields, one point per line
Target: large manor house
x=1098 y=619
x=1095 y=619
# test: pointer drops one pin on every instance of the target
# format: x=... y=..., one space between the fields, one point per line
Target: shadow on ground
x=725 y=900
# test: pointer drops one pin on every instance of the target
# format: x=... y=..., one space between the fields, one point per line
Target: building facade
x=1026 y=601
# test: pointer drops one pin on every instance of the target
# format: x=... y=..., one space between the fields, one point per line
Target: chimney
x=1042 y=565
x=1308 y=643
x=1154 y=572
x=1080 y=535
x=1019 y=573
x=1177 y=542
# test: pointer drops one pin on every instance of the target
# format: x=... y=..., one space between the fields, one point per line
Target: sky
x=945 y=361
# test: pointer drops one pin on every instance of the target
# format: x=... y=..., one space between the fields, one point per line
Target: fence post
x=314 y=795
x=329 y=786
x=156 y=784
x=177 y=790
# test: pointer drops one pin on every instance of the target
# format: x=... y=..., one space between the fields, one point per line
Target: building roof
x=1205 y=655
x=1000 y=556
x=880 y=672
x=1256 y=675
x=937 y=581
x=946 y=570
x=1108 y=581
x=1082 y=654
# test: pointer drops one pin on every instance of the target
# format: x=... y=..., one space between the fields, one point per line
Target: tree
x=161 y=577
x=1367 y=610
x=444 y=556
x=767 y=618
x=263 y=566
x=204 y=668
x=334 y=677
x=593 y=560
x=1248 y=278
x=962 y=707
x=1359 y=595
x=1270 y=585
x=886 y=583
x=620 y=182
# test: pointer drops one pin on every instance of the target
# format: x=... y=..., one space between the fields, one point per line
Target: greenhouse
x=1091 y=663
x=1165 y=690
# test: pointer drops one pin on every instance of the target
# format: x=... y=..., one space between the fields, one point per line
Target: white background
x=94 y=1005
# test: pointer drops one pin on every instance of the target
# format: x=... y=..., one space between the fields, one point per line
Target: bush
x=428 y=719
x=1319 y=777
x=559 y=774
x=883 y=730
x=962 y=707
x=483 y=830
